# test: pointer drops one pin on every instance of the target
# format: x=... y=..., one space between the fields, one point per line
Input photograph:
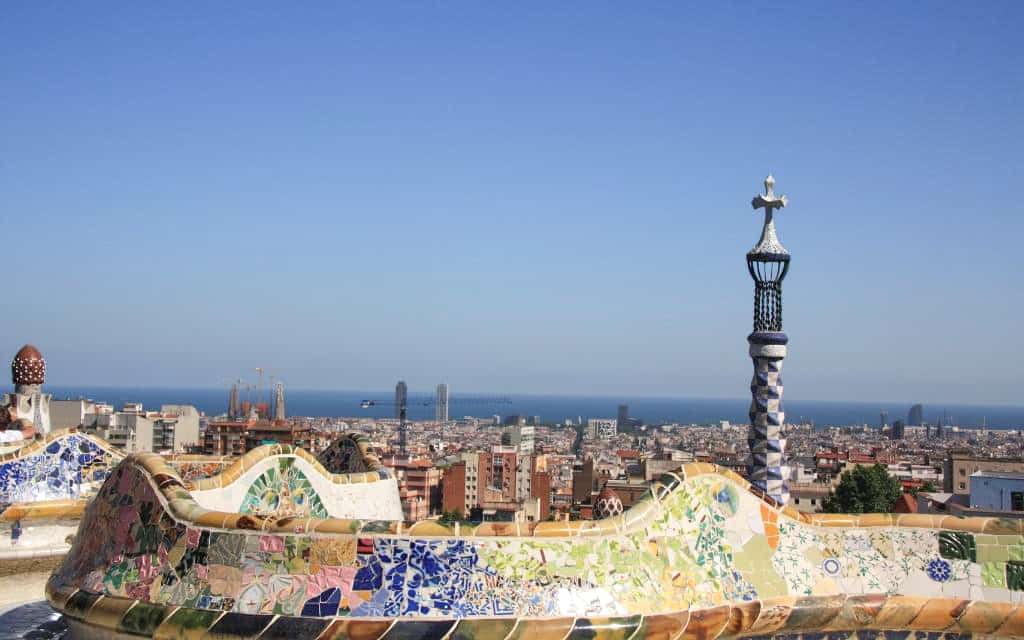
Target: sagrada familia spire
x=768 y=263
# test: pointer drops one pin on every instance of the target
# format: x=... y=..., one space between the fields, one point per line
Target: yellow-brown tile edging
x=253 y=457
x=49 y=510
x=783 y=616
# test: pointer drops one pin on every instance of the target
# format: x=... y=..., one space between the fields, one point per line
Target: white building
x=602 y=428
x=522 y=436
x=173 y=428
x=70 y=414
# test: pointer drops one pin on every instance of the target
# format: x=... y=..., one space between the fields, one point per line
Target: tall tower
x=622 y=422
x=441 y=405
x=401 y=397
x=233 y=407
x=401 y=403
x=279 y=401
x=768 y=263
x=915 y=417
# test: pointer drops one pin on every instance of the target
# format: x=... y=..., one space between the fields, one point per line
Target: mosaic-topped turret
x=26 y=412
x=28 y=367
x=768 y=263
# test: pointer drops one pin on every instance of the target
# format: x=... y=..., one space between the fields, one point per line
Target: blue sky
x=546 y=197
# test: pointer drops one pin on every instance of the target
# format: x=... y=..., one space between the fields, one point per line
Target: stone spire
x=768 y=263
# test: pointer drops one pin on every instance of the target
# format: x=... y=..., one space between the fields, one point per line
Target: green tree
x=449 y=518
x=864 y=490
x=926 y=487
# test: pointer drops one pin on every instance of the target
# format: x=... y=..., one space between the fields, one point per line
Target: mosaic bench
x=63 y=465
x=701 y=556
x=44 y=487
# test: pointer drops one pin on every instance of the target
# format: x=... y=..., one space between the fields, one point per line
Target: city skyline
x=401 y=196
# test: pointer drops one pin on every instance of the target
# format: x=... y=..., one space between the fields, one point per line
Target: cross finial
x=769 y=200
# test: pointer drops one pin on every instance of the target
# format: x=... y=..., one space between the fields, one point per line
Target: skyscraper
x=883 y=419
x=441 y=404
x=401 y=397
x=915 y=417
x=233 y=407
x=623 y=418
x=768 y=263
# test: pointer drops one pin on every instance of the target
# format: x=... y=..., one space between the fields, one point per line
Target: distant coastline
x=550 y=408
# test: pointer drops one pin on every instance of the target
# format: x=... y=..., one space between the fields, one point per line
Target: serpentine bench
x=701 y=556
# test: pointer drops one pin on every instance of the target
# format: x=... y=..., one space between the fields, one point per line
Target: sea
x=558 y=408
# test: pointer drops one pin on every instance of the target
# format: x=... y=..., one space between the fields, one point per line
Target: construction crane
x=403 y=427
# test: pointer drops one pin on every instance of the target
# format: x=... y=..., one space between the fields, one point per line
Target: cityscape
x=562 y=468
x=610 y=485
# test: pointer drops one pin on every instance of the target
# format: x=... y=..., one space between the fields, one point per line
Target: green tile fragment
x=993 y=574
x=957 y=545
x=993 y=553
x=190 y=619
x=1015 y=575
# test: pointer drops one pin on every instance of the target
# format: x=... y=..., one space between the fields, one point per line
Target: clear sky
x=514 y=197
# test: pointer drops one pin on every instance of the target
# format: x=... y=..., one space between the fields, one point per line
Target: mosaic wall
x=284 y=490
x=64 y=465
x=284 y=481
x=703 y=544
x=351 y=453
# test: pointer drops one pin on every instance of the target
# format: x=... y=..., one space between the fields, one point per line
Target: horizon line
x=1001 y=405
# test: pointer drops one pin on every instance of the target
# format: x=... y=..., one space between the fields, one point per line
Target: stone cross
x=769 y=201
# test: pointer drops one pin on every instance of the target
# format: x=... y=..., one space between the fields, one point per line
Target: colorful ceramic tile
x=283 y=491
x=957 y=545
x=1015 y=575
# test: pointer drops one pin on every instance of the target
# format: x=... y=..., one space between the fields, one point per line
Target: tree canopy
x=864 y=490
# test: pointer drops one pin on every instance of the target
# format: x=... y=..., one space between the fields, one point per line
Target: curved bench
x=64 y=465
x=701 y=556
x=51 y=480
x=44 y=487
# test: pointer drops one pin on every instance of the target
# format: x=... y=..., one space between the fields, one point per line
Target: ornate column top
x=769 y=247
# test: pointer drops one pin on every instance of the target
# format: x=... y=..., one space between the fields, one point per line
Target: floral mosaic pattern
x=283 y=490
x=62 y=468
x=701 y=544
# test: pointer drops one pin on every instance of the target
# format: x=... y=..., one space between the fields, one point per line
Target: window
x=796 y=500
x=813 y=502
x=963 y=486
x=963 y=471
x=1017 y=500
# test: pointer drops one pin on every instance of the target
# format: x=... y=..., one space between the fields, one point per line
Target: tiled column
x=767 y=468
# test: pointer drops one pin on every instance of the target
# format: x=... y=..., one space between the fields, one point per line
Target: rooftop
x=1003 y=475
